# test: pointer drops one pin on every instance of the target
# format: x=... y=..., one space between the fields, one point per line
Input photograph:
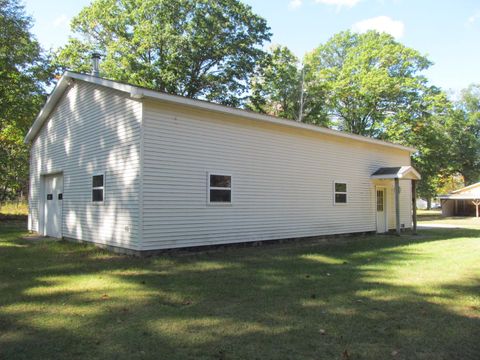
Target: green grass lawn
x=378 y=297
x=430 y=217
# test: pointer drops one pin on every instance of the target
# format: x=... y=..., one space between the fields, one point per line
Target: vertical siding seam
x=141 y=171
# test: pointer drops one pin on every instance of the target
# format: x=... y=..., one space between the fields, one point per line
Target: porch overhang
x=400 y=172
x=396 y=174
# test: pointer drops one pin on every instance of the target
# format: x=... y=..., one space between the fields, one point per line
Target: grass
x=429 y=217
x=377 y=297
x=14 y=208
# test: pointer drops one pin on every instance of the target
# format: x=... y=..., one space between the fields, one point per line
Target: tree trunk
x=429 y=203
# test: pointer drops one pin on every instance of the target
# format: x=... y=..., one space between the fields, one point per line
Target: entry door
x=381 y=210
x=53 y=199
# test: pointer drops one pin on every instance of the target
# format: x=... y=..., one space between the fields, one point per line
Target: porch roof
x=400 y=172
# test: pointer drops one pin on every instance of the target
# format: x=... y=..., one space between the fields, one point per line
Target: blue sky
x=447 y=31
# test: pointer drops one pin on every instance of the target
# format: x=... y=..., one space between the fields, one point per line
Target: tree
x=366 y=80
x=277 y=84
x=428 y=132
x=277 y=89
x=465 y=133
x=23 y=74
x=198 y=49
x=372 y=85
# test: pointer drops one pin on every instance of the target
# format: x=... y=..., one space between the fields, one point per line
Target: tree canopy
x=23 y=74
x=199 y=49
x=366 y=80
x=278 y=88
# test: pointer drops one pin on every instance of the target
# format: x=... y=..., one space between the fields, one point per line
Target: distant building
x=461 y=202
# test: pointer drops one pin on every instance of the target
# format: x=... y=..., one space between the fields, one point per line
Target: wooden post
x=397 y=205
x=476 y=203
x=414 y=207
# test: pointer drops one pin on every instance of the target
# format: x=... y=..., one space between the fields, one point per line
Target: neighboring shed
x=462 y=202
x=131 y=168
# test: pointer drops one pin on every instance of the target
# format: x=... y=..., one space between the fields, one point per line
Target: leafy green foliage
x=465 y=134
x=276 y=87
x=199 y=49
x=23 y=73
x=366 y=80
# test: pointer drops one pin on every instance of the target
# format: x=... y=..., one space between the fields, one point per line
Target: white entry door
x=381 y=210
x=53 y=199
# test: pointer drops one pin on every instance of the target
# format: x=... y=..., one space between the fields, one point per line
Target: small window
x=340 y=193
x=98 y=187
x=219 y=188
x=380 y=200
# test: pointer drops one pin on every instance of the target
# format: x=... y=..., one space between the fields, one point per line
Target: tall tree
x=195 y=48
x=23 y=74
x=279 y=88
x=464 y=129
x=276 y=87
x=366 y=80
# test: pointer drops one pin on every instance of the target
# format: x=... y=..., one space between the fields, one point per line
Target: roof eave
x=405 y=173
x=139 y=93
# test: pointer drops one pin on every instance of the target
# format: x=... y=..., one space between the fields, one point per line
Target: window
x=219 y=189
x=340 y=193
x=380 y=201
x=98 y=187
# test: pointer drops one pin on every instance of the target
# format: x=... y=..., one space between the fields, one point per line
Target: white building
x=136 y=169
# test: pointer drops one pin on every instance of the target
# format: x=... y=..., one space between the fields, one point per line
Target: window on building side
x=98 y=188
x=340 y=195
x=219 y=188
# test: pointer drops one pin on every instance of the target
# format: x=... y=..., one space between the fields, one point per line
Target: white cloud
x=61 y=21
x=396 y=28
x=339 y=3
x=294 y=4
x=473 y=19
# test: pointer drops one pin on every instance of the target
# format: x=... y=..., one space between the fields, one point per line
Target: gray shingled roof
x=398 y=172
x=387 y=171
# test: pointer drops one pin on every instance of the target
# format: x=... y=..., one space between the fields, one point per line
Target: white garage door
x=53 y=199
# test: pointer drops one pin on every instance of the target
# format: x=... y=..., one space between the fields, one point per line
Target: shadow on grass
x=285 y=301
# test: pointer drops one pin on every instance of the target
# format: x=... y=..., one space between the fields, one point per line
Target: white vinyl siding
x=92 y=130
x=283 y=179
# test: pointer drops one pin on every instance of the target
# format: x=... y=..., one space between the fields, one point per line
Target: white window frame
x=340 y=192
x=97 y=188
x=219 y=173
